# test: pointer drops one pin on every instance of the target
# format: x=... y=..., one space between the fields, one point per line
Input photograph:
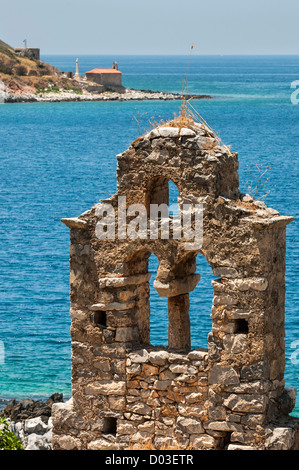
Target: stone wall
x=30 y=52
x=108 y=80
x=126 y=391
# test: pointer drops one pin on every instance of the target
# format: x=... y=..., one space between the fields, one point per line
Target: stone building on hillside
x=30 y=52
x=110 y=79
x=126 y=391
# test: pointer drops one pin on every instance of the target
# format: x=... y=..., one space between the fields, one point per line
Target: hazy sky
x=152 y=27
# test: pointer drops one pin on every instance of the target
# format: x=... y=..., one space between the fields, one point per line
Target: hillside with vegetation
x=24 y=75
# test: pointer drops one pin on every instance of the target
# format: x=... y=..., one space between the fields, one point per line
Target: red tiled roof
x=103 y=71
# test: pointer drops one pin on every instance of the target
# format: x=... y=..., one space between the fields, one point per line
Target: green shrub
x=8 y=440
x=50 y=89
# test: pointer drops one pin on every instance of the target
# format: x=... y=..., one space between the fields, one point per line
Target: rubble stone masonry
x=126 y=391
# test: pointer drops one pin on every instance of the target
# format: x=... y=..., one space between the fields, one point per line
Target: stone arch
x=174 y=282
x=157 y=189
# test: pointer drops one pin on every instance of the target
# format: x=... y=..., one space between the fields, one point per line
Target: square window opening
x=109 y=426
x=100 y=319
x=241 y=326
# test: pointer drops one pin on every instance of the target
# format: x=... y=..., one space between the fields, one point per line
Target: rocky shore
x=30 y=420
x=128 y=95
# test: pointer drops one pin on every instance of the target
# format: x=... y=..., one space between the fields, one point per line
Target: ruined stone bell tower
x=126 y=391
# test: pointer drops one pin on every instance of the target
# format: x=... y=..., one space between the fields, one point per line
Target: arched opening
x=158 y=308
x=173 y=198
x=164 y=319
x=161 y=190
x=157 y=192
x=162 y=205
x=176 y=312
x=201 y=300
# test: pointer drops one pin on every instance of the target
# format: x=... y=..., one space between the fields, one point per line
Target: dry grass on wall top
x=188 y=118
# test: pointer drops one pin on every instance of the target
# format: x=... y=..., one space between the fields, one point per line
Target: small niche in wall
x=99 y=319
x=241 y=326
x=109 y=426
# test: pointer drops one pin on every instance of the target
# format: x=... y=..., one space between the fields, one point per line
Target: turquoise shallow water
x=58 y=159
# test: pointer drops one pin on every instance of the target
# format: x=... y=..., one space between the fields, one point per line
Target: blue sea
x=58 y=159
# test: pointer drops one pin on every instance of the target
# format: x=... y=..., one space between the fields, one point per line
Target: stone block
x=147 y=426
x=226 y=272
x=139 y=356
x=35 y=425
x=125 y=427
x=134 y=369
x=247 y=437
x=256 y=371
x=126 y=334
x=246 y=403
x=169 y=132
x=239 y=447
x=224 y=426
x=65 y=415
x=140 y=409
x=149 y=370
x=104 y=364
x=102 y=444
x=124 y=281
x=117 y=403
x=258 y=284
x=224 y=300
x=198 y=355
x=106 y=388
x=194 y=397
x=185 y=132
x=287 y=400
x=177 y=286
x=217 y=413
x=66 y=443
x=223 y=375
x=190 y=425
x=162 y=384
x=75 y=223
x=235 y=343
x=167 y=375
x=202 y=442
x=112 y=306
x=158 y=357
x=280 y=438
x=178 y=358
x=179 y=368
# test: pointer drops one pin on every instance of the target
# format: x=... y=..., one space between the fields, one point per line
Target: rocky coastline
x=31 y=421
x=69 y=96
